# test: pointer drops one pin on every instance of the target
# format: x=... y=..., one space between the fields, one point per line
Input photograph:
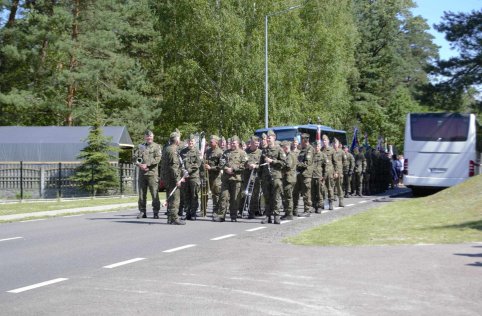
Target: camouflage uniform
x=150 y=155
x=360 y=168
x=271 y=180
x=289 y=180
x=340 y=158
x=317 y=188
x=190 y=191
x=304 y=168
x=253 y=158
x=330 y=166
x=231 y=183
x=348 y=167
x=213 y=159
x=171 y=169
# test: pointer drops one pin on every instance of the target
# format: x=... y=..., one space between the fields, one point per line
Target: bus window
x=443 y=127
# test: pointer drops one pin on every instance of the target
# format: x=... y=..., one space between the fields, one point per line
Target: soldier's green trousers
x=150 y=183
x=303 y=187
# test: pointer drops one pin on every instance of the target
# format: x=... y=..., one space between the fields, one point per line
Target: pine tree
x=96 y=173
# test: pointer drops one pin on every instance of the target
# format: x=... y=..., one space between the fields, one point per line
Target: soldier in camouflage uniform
x=331 y=166
x=360 y=168
x=340 y=158
x=289 y=180
x=233 y=164
x=251 y=169
x=348 y=167
x=190 y=193
x=272 y=162
x=367 y=188
x=317 y=188
x=147 y=157
x=213 y=165
x=172 y=175
x=304 y=169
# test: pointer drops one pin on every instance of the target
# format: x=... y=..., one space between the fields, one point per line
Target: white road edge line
x=11 y=238
x=363 y=201
x=33 y=220
x=180 y=248
x=349 y=205
x=73 y=215
x=34 y=286
x=323 y=212
x=224 y=237
x=115 y=265
x=255 y=229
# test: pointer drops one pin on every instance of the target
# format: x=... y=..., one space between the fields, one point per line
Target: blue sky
x=433 y=10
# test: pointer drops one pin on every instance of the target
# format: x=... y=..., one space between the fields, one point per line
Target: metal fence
x=53 y=180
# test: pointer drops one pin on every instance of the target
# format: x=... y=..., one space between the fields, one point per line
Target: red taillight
x=471 y=168
x=405 y=166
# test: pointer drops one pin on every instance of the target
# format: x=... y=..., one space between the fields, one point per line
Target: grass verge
x=41 y=206
x=453 y=215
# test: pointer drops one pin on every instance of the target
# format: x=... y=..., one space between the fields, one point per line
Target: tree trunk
x=71 y=90
x=13 y=13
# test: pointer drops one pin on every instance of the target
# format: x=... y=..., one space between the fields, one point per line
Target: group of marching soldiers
x=238 y=174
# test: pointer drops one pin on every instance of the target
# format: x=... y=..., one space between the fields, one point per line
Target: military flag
x=354 y=142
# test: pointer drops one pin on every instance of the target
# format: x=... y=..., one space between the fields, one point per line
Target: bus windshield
x=440 y=127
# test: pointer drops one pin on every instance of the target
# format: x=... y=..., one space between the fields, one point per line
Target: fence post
x=21 y=180
x=42 y=181
x=60 y=181
x=121 y=179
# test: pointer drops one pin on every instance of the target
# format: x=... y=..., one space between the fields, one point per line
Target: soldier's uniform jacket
x=289 y=170
x=192 y=162
x=331 y=165
x=275 y=169
x=360 y=162
x=235 y=159
x=151 y=156
x=349 y=163
x=253 y=156
x=305 y=161
x=171 y=164
x=319 y=164
x=340 y=158
x=213 y=159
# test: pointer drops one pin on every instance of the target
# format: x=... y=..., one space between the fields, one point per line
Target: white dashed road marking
x=180 y=248
x=12 y=238
x=224 y=237
x=255 y=229
x=34 y=286
x=363 y=201
x=349 y=205
x=115 y=265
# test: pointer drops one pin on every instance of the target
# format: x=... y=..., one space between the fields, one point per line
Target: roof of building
x=53 y=143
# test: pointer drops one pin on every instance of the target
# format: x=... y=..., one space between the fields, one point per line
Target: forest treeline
x=199 y=65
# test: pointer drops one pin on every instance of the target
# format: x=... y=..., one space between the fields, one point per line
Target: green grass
x=32 y=207
x=453 y=215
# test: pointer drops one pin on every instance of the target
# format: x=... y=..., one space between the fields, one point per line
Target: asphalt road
x=114 y=264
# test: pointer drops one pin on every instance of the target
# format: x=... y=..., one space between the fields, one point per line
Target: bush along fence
x=19 y=180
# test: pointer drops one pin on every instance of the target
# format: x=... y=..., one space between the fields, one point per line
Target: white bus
x=441 y=149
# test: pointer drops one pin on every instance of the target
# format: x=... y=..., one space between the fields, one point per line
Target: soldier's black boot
x=330 y=205
x=156 y=216
x=287 y=217
x=142 y=215
x=277 y=220
x=317 y=211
